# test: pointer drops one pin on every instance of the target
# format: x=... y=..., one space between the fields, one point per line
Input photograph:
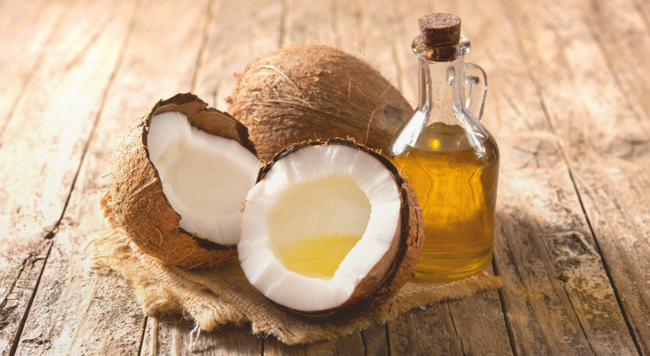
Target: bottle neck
x=441 y=90
x=441 y=97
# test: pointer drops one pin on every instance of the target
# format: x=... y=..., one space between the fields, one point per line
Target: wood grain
x=545 y=248
x=44 y=142
x=606 y=149
x=430 y=332
x=375 y=340
x=347 y=26
x=624 y=41
x=24 y=50
x=250 y=29
x=480 y=324
x=378 y=27
x=567 y=104
x=75 y=310
x=273 y=347
x=406 y=17
x=18 y=302
x=172 y=336
x=68 y=286
x=474 y=325
x=305 y=23
x=347 y=345
x=78 y=306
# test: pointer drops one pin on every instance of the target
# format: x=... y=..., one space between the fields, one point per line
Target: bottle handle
x=476 y=89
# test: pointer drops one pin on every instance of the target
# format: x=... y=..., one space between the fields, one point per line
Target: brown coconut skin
x=315 y=92
x=397 y=265
x=135 y=200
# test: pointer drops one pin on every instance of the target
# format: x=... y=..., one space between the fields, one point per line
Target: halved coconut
x=179 y=180
x=330 y=229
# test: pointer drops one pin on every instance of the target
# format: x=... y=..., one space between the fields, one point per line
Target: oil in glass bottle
x=451 y=160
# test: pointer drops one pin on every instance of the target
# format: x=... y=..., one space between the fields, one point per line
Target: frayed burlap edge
x=221 y=295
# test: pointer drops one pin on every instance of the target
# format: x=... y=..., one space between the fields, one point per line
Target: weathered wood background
x=569 y=103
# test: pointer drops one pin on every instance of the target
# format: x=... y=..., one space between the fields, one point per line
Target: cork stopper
x=439 y=30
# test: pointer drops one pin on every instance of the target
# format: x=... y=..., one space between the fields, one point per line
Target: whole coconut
x=315 y=92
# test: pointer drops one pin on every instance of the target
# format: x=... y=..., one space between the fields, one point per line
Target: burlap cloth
x=215 y=297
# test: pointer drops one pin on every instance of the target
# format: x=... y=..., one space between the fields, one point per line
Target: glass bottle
x=451 y=160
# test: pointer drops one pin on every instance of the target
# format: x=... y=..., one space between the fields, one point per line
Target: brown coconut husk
x=314 y=92
x=135 y=201
x=397 y=265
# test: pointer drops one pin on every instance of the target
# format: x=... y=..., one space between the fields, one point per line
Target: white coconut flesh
x=204 y=177
x=318 y=206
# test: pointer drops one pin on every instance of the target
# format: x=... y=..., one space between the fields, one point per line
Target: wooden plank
x=15 y=305
x=603 y=142
x=44 y=142
x=624 y=40
x=375 y=341
x=74 y=309
x=23 y=47
x=101 y=33
x=378 y=26
x=473 y=325
x=14 y=77
x=353 y=344
x=80 y=308
x=543 y=231
x=308 y=23
x=347 y=25
x=171 y=336
x=406 y=17
x=480 y=324
x=273 y=347
x=428 y=331
x=537 y=327
x=238 y=33
x=348 y=345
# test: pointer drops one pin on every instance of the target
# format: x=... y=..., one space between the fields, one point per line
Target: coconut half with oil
x=330 y=229
x=179 y=180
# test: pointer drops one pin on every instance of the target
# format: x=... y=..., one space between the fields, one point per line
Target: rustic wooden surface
x=569 y=104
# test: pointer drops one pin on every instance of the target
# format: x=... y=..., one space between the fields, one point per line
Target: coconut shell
x=396 y=267
x=135 y=200
x=314 y=92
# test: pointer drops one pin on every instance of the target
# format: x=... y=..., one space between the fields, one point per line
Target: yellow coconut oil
x=317 y=257
x=454 y=174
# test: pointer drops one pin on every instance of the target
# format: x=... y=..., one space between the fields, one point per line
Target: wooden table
x=569 y=104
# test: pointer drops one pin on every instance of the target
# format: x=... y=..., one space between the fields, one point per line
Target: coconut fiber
x=216 y=296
